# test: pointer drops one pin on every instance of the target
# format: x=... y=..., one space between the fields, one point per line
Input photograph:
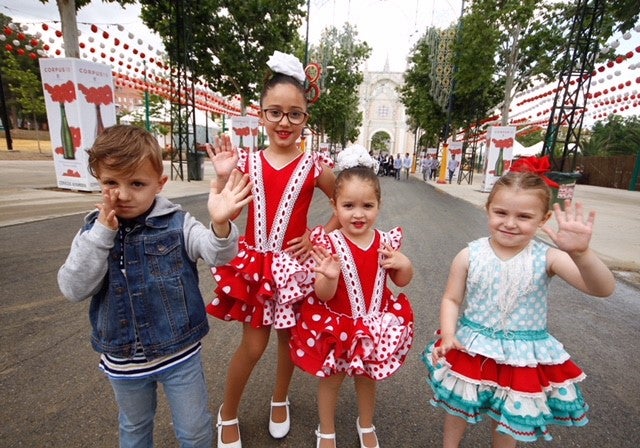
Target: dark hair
x=361 y=172
x=523 y=181
x=277 y=79
x=124 y=148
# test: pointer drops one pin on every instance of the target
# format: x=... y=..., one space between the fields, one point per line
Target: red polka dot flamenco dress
x=263 y=283
x=364 y=329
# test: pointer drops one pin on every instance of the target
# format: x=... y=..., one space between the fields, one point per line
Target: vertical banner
x=244 y=132
x=499 y=153
x=80 y=104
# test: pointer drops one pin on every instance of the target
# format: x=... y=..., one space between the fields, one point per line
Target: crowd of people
x=323 y=290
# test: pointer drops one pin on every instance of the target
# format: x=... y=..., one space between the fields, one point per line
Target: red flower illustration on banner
x=71 y=173
x=64 y=93
x=97 y=96
x=242 y=132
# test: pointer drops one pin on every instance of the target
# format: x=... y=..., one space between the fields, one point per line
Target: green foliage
x=422 y=110
x=21 y=82
x=531 y=139
x=615 y=136
x=336 y=113
x=228 y=42
x=380 y=142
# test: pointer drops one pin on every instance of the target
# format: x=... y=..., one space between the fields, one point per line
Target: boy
x=136 y=258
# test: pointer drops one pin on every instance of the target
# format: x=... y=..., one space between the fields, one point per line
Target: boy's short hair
x=124 y=148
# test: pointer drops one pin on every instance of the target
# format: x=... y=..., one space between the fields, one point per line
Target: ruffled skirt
x=260 y=288
x=324 y=342
x=523 y=399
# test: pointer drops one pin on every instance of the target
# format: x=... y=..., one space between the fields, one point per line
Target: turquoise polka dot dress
x=513 y=370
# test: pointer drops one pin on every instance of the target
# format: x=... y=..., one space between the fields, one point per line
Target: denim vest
x=159 y=299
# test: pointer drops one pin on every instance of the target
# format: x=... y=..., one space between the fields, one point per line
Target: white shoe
x=279 y=430
x=220 y=424
x=320 y=436
x=362 y=431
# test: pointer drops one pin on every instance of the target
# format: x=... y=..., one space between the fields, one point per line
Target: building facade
x=384 y=112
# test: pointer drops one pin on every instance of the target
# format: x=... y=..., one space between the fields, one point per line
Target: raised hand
x=327 y=264
x=223 y=156
x=574 y=231
x=107 y=215
x=226 y=204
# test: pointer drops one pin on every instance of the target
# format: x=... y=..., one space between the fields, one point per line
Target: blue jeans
x=186 y=391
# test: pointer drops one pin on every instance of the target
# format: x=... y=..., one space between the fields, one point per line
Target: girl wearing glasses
x=273 y=269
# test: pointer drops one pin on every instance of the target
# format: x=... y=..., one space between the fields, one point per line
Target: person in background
x=452 y=166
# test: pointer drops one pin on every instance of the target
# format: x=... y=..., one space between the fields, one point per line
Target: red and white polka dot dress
x=261 y=285
x=364 y=329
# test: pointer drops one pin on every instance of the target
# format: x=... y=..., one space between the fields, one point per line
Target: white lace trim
x=272 y=241
x=352 y=279
x=514 y=277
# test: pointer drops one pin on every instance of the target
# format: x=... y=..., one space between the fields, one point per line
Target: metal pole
x=146 y=100
x=306 y=40
x=5 y=117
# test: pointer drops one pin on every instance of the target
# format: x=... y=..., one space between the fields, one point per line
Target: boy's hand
x=223 y=156
x=107 y=216
x=226 y=204
x=574 y=233
x=327 y=264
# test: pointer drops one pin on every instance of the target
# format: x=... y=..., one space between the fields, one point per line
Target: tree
x=21 y=81
x=229 y=41
x=616 y=136
x=68 y=10
x=421 y=108
x=336 y=114
x=380 y=142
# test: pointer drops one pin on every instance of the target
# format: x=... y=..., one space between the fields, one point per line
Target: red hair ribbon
x=535 y=165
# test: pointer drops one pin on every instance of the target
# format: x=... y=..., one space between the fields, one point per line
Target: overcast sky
x=390 y=27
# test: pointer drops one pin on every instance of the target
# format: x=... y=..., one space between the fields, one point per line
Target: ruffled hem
x=523 y=400
x=260 y=288
x=325 y=343
x=510 y=348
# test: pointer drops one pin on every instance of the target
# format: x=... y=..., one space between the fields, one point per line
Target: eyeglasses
x=275 y=116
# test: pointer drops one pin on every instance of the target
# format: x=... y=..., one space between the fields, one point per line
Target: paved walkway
x=28 y=193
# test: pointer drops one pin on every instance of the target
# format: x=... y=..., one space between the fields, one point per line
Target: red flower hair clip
x=535 y=165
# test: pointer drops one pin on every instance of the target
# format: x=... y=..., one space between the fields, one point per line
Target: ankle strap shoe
x=279 y=430
x=363 y=431
x=320 y=436
x=219 y=424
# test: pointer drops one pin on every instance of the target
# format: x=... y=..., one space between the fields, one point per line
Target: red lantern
x=94 y=28
x=21 y=36
x=9 y=47
x=45 y=26
x=619 y=59
x=105 y=35
x=21 y=51
x=58 y=33
x=116 y=41
x=8 y=31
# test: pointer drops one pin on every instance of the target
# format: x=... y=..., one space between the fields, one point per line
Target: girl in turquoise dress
x=497 y=358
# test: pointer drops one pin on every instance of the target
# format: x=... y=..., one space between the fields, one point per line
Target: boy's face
x=134 y=192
